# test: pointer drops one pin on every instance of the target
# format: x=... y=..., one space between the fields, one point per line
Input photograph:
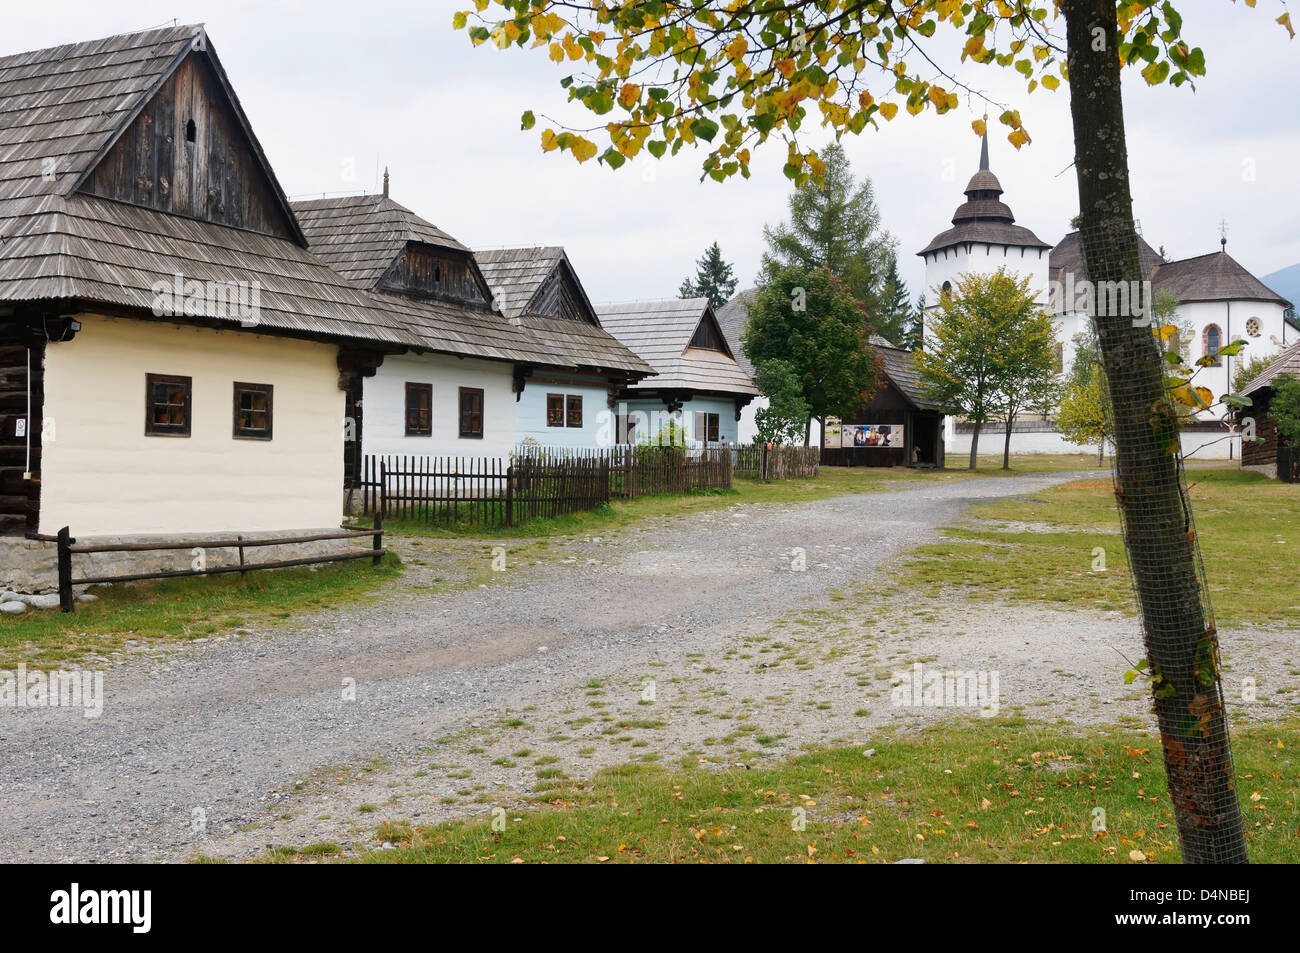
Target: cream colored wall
x=101 y=475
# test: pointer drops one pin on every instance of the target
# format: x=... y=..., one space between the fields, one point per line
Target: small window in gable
x=191 y=131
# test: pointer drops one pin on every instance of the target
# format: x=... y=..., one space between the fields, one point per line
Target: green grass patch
x=995 y=791
x=830 y=482
x=178 y=610
x=1249 y=527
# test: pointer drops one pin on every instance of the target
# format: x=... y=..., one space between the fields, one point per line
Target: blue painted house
x=698 y=385
x=565 y=397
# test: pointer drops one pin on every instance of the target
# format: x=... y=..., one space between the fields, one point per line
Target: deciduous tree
x=728 y=77
x=808 y=319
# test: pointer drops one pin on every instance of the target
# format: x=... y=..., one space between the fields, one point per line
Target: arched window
x=946 y=289
x=1212 y=340
x=190 y=131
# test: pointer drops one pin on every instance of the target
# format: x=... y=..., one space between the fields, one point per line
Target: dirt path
x=465 y=699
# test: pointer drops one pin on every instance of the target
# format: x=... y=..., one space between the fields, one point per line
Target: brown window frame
x=427 y=391
x=240 y=432
x=715 y=429
x=569 y=402
x=152 y=429
x=563 y=416
x=469 y=434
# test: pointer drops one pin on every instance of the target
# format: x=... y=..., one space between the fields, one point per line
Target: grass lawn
x=831 y=481
x=1043 y=549
x=181 y=610
x=966 y=791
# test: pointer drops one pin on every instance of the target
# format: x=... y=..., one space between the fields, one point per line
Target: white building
x=1217 y=297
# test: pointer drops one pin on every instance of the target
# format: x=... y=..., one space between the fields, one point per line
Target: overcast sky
x=342 y=89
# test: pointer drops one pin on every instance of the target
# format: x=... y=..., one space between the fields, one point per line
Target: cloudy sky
x=336 y=91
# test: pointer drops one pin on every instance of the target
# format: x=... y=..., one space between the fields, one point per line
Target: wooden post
x=510 y=496
x=242 y=575
x=66 y=600
x=379 y=538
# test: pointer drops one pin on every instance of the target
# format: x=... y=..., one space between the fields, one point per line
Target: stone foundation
x=28 y=565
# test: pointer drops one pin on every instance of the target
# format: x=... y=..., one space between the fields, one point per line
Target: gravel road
x=203 y=748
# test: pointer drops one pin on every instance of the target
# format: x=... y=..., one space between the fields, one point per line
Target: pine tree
x=713 y=279
x=895 y=321
x=837 y=227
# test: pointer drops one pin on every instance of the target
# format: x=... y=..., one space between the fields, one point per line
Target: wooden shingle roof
x=70 y=104
x=66 y=104
x=520 y=279
x=661 y=333
x=516 y=275
x=733 y=318
x=360 y=236
x=900 y=367
x=1288 y=362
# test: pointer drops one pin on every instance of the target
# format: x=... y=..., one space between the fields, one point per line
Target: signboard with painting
x=872 y=435
x=831 y=436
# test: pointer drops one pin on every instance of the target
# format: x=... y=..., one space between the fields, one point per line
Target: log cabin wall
x=424 y=271
x=187 y=154
x=1261 y=452
x=20 y=497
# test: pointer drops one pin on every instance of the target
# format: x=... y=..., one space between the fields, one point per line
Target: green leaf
x=527 y=120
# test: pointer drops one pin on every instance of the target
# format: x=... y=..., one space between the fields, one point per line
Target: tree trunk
x=974 y=444
x=1178 y=626
x=1101 y=454
x=1006 y=444
x=807 y=431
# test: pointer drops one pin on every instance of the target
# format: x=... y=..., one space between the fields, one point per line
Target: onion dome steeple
x=984 y=217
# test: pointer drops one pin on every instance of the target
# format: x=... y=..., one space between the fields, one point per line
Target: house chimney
x=385 y=181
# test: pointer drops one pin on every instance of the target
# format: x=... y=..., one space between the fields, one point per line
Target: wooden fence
x=636 y=471
x=536 y=483
x=68 y=546
x=778 y=463
x=481 y=491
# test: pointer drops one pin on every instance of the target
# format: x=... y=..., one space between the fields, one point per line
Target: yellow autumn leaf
x=979 y=126
x=737 y=47
x=785 y=67
x=581 y=148
x=1285 y=20
x=628 y=95
x=888 y=110
x=548 y=141
x=1018 y=138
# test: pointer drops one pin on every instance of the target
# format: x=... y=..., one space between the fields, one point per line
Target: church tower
x=984 y=238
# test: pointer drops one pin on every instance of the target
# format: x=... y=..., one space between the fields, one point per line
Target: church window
x=1212 y=340
x=1252 y=327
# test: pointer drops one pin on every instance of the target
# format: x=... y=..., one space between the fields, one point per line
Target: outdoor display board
x=871 y=435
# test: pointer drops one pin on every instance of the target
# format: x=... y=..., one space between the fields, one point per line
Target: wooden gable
x=560 y=296
x=188 y=153
x=708 y=335
x=427 y=271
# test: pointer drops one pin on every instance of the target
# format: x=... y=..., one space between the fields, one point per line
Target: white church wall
x=1196 y=445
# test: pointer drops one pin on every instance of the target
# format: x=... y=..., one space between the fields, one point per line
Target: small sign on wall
x=20 y=427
